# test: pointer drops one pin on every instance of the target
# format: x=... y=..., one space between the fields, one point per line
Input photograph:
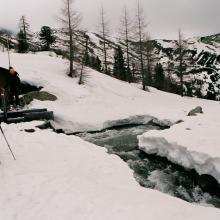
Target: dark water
x=149 y=170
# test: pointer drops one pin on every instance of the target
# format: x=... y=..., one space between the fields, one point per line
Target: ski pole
x=7 y=143
x=4 y=104
x=9 y=60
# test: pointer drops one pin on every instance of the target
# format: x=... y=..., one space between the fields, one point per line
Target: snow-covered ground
x=62 y=177
x=192 y=144
x=102 y=101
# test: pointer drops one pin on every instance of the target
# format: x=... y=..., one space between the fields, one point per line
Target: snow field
x=62 y=177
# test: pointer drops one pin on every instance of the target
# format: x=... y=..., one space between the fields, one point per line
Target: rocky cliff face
x=202 y=74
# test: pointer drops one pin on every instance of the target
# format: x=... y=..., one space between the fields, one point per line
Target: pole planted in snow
x=8 y=48
x=7 y=143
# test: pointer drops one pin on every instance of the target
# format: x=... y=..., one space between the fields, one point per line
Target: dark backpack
x=4 y=77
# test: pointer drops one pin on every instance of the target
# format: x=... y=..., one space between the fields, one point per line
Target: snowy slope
x=192 y=144
x=102 y=101
x=62 y=177
x=50 y=179
x=202 y=76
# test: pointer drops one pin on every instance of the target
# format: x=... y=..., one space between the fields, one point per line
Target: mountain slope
x=202 y=74
x=58 y=177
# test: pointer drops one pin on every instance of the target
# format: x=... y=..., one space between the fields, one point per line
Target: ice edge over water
x=132 y=120
x=201 y=162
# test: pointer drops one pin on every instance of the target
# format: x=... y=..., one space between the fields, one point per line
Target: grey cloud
x=195 y=17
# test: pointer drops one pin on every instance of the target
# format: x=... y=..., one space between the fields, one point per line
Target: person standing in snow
x=14 y=85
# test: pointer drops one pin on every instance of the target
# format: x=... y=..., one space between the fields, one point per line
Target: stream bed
x=152 y=171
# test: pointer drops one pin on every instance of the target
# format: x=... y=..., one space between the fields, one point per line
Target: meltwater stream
x=151 y=171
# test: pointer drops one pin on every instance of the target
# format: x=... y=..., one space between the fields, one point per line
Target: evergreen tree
x=159 y=79
x=47 y=37
x=92 y=61
x=22 y=42
x=23 y=36
x=119 y=67
x=98 y=64
x=128 y=74
x=133 y=71
x=87 y=59
x=168 y=80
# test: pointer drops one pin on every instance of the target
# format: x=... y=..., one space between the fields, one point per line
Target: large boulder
x=195 y=111
x=39 y=95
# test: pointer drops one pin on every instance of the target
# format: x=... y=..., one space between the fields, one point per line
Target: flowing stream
x=149 y=170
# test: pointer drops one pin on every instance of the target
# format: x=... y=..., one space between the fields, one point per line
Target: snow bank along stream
x=152 y=171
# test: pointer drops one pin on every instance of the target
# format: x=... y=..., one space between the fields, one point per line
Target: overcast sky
x=195 y=17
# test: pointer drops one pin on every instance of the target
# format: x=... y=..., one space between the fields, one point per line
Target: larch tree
x=149 y=59
x=82 y=72
x=181 y=50
x=86 y=56
x=70 y=20
x=125 y=35
x=23 y=36
x=140 y=27
x=104 y=32
x=85 y=60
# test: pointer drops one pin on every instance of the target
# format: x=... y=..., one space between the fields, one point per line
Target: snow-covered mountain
x=202 y=74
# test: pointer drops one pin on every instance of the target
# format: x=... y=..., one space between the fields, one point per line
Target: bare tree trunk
x=70 y=40
x=24 y=25
x=126 y=25
x=83 y=63
x=149 y=70
x=81 y=72
x=140 y=35
x=104 y=33
x=150 y=59
x=24 y=28
x=181 y=56
x=70 y=20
